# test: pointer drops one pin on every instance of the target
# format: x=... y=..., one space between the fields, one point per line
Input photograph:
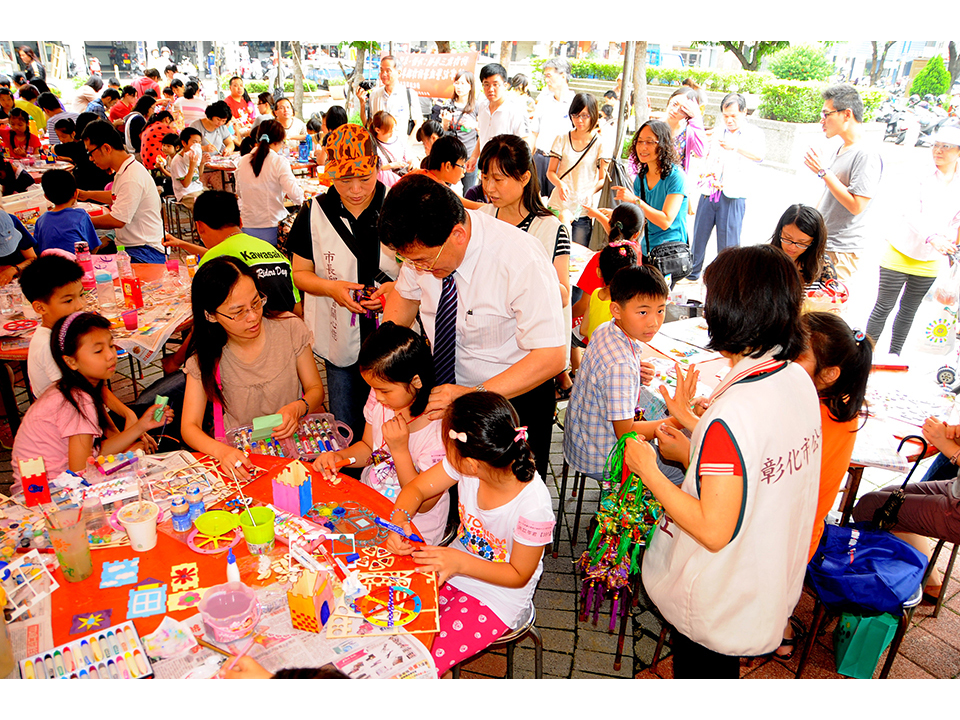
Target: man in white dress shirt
x=396 y=99
x=498 y=116
x=551 y=118
x=509 y=322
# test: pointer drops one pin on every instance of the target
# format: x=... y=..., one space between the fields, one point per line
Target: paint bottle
x=233 y=572
x=180 y=512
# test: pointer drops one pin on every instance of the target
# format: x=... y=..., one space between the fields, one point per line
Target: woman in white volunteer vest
x=337 y=254
x=726 y=564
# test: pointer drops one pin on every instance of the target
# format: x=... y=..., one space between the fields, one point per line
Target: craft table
x=86 y=596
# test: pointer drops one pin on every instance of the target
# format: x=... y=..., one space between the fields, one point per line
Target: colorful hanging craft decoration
x=624 y=522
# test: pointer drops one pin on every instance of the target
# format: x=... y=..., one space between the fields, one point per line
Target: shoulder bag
x=671 y=258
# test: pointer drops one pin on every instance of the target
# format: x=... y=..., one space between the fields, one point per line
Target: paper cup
x=260 y=538
x=130 y=319
x=141 y=525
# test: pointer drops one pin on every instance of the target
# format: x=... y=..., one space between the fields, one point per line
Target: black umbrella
x=886 y=515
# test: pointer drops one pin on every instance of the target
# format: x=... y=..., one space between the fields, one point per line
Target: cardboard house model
x=33 y=476
x=292 y=489
x=311 y=601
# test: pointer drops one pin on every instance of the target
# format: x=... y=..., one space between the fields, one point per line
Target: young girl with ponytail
x=263 y=179
x=490 y=572
x=69 y=423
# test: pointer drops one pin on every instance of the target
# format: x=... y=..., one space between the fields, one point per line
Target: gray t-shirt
x=859 y=169
x=213 y=137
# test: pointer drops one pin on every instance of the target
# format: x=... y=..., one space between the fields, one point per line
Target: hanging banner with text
x=431 y=75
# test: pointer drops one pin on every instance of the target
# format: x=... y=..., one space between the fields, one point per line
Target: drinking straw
x=83 y=499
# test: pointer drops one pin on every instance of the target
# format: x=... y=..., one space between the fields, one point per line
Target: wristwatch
x=820 y=173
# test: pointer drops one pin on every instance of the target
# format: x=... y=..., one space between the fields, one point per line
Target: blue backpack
x=864 y=571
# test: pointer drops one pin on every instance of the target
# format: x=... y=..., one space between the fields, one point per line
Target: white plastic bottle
x=124 y=268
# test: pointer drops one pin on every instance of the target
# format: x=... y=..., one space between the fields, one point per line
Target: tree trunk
x=277 y=80
x=640 y=82
x=505 y=47
x=743 y=53
x=443 y=46
x=876 y=66
x=953 y=66
x=352 y=80
x=297 y=48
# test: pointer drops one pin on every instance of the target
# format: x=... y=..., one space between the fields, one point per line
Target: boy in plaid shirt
x=608 y=385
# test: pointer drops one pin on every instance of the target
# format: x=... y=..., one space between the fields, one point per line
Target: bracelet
x=955 y=456
x=395 y=509
x=305 y=405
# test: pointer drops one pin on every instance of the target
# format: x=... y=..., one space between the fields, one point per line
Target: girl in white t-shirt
x=490 y=572
x=399 y=441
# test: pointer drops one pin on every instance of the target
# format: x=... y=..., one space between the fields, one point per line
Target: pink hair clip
x=462 y=437
x=521 y=434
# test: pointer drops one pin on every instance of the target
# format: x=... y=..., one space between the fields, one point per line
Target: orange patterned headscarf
x=350 y=152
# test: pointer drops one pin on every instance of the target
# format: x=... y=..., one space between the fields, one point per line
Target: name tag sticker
x=534 y=533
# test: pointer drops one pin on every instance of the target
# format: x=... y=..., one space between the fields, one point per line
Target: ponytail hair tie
x=66 y=326
x=264 y=138
x=859 y=335
x=462 y=437
x=521 y=434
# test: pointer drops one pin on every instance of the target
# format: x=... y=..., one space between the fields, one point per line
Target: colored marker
x=28 y=673
x=68 y=660
x=95 y=646
x=129 y=663
x=84 y=675
x=112 y=667
x=130 y=638
x=397 y=529
x=85 y=649
x=48 y=664
x=141 y=665
x=104 y=646
x=58 y=662
x=94 y=675
x=103 y=671
x=122 y=666
x=113 y=641
x=123 y=641
x=72 y=677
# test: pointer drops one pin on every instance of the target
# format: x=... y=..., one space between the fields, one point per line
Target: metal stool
x=820 y=610
x=510 y=639
x=174 y=223
x=946 y=575
x=579 y=482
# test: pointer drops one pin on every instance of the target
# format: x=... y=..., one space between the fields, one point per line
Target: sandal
x=799 y=632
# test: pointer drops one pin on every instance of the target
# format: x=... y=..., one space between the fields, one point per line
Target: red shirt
x=119 y=110
x=144 y=83
x=150 y=142
x=241 y=110
x=6 y=137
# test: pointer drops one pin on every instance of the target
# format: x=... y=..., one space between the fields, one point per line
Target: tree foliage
x=876 y=66
x=749 y=53
x=354 y=77
x=954 y=65
x=801 y=62
x=933 y=79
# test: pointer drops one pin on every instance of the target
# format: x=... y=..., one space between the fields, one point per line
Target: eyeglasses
x=801 y=245
x=943 y=147
x=462 y=167
x=585 y=116
x=646 y=142
x=420 y=265
x=827 y=113
x=91 y=152
x=255 y=307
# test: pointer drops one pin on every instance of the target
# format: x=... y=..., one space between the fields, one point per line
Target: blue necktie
x=445 y=335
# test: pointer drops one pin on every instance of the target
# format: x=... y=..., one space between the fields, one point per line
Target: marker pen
x=68 y=660
x=85 y=650
x=72 y=677
x=113 y=642
x=130 y=664
x=97 y=651
x=112 y=667
x=84 y=675
x=141 y=664
x=123 y=641
x=122 y=666
x=128 y=631
x=28 y=673
x=58 y=662
x=94 y=675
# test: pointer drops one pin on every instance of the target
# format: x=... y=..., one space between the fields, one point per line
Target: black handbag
x=671 y=258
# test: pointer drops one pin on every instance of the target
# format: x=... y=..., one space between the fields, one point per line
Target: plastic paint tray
x=216 y=522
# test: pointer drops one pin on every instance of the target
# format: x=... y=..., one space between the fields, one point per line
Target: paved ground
x=575 y=649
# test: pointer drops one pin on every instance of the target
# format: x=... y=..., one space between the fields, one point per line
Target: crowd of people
x=442 y=309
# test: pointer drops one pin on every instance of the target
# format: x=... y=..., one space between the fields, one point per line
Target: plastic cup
x=130 y=319
x=69 y=540
x=140 y=524
x=260 y=538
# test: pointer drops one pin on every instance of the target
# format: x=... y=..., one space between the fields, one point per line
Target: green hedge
x=801 y=101
x=255 y=87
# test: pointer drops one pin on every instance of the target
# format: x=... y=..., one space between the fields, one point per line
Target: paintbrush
x=83 y=499
x=210 y=646
x=246 y=649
